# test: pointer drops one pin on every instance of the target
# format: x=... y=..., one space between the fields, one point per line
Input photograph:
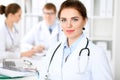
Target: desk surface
x=37 y=63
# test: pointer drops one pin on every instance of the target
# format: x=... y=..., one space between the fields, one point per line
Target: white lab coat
x=40 y=35
x=97 y=68
x=7 y=49
x=2 y=18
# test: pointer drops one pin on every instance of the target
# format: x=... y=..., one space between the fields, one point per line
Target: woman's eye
x=63 y=20
x=74 y=20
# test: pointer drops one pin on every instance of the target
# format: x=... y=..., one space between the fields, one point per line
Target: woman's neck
x=70 y=41
x=9 y=24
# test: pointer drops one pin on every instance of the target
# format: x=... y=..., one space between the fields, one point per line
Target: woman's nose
x=68 y=24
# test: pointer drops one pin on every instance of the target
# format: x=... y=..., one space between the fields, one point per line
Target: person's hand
x=38 y=49
x=29 y=53
x=34 y=50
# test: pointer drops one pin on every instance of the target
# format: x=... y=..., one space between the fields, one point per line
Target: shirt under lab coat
x=9 y=44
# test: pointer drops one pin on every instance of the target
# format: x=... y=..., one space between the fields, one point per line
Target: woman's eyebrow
x=70 y=18
x=74 y=17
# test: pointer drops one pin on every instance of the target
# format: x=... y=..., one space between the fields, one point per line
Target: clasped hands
x=34 y=50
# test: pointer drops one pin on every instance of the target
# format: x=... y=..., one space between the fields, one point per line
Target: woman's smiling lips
x=70 y=31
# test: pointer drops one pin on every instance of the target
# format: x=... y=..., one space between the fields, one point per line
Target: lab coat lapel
x=46 y=29
x=55 y=31
x=72 y=61
x=54 y=37
x=72 y=64
x=43 y=35
x=56 y=63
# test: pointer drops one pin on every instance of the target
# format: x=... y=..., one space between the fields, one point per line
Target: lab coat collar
x=80 y=46
x=75 y=43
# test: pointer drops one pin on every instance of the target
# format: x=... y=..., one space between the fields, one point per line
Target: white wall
x=117 y=40
x=6 y=2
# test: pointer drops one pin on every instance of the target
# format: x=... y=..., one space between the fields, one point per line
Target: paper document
x=12 y=73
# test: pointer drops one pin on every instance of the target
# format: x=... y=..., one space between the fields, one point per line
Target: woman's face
x=16 y=17
x=72 y=23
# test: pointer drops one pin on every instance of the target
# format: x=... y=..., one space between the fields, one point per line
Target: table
x=19 y=78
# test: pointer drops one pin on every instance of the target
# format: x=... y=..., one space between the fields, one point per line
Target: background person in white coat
x=42 y=35
x=2 y=16
x=9 y=35
x=76 y=58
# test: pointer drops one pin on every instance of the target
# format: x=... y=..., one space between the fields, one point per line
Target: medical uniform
x=2 y=18
x=40 y=35
x=9 y=42
x=92 y=67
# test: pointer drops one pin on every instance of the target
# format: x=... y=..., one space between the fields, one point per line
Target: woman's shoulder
x=38 y=26
x=2 y=31
x=95 y=48
x=2 y=27
x=96 y=51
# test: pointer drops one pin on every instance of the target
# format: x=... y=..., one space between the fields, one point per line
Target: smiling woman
x=76 y=57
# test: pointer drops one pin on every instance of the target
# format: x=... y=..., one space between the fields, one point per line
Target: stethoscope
x=12 y=40
x=86 y=49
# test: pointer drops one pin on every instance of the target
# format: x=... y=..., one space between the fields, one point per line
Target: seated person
x=43 y=35
x=9 y=35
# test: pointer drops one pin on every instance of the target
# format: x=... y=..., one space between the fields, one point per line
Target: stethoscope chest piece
x=83 y=61
x=47 y=77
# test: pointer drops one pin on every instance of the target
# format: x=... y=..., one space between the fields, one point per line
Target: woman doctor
x=9 y=36
x=76 y=58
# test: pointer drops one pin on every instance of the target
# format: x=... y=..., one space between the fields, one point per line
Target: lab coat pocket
x=82 y=76
x=76 y=76
x=83 y=72
x=83 y=61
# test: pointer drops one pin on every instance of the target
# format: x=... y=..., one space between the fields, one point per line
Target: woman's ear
x=10 y=14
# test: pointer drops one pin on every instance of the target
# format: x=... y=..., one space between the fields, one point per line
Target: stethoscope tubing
x=86 y=48
x=12 y=40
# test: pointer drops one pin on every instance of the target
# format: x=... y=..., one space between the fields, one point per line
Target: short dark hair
x=50 y=6
x=76 y=4
x=11 y=8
